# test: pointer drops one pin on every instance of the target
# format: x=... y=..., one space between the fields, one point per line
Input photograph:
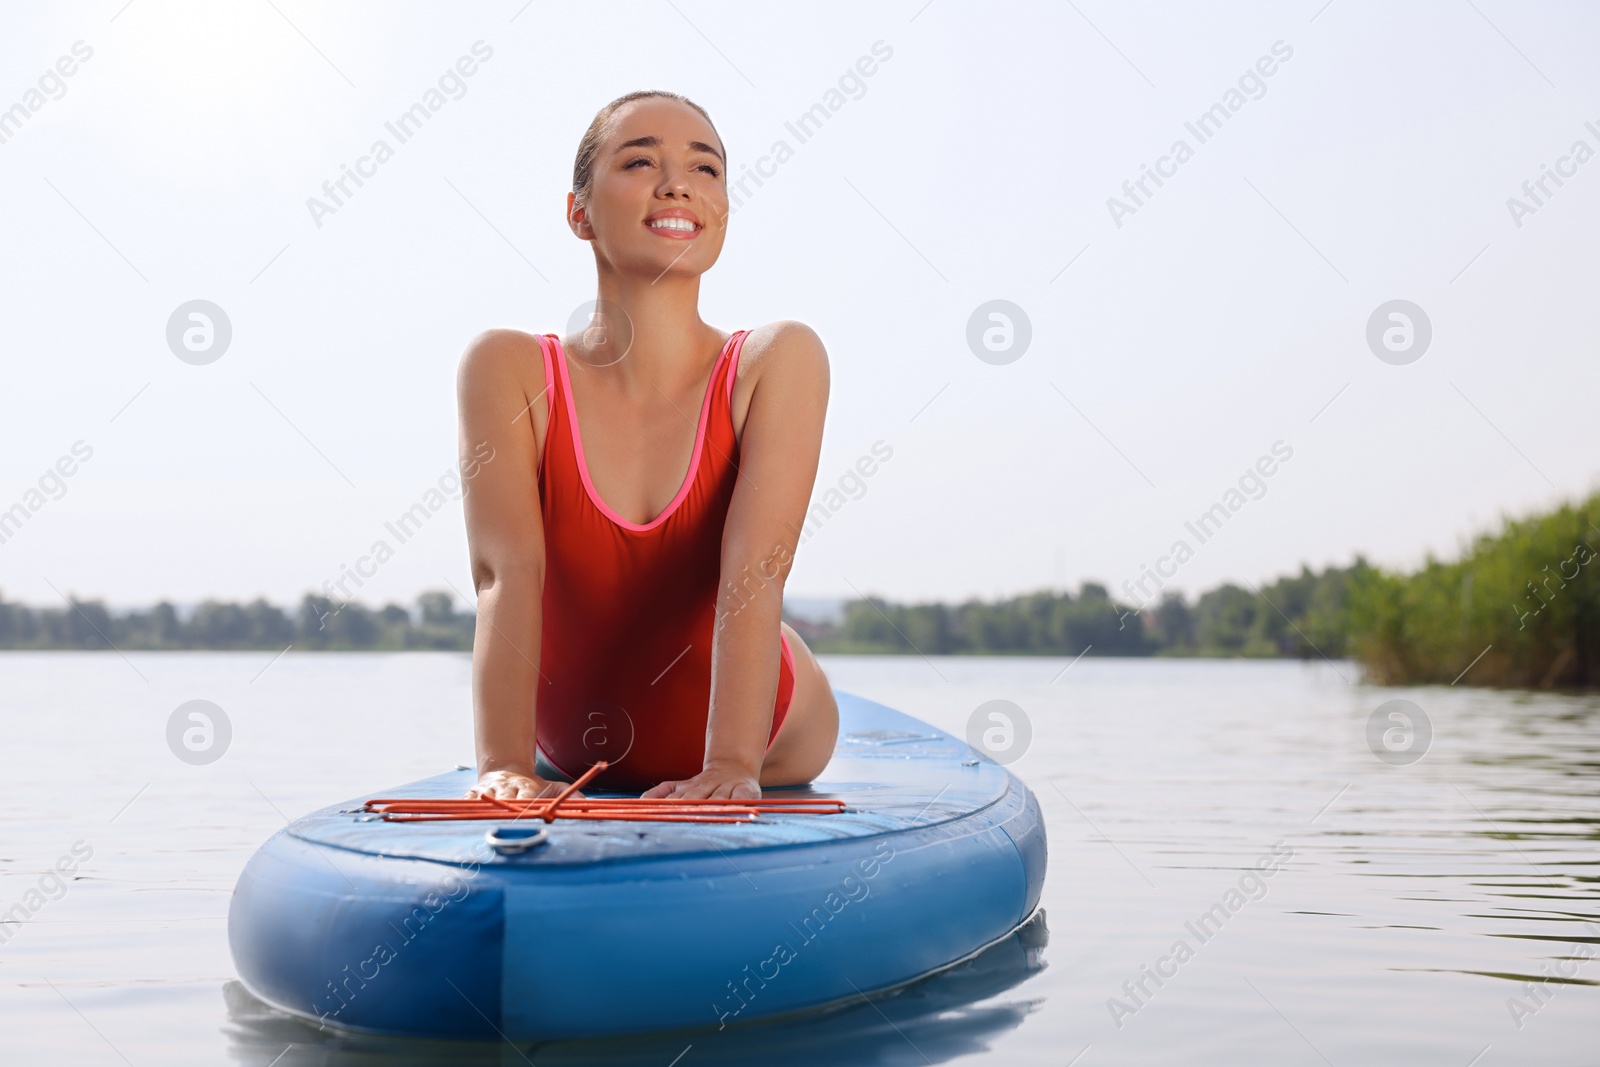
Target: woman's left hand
x=721 y=781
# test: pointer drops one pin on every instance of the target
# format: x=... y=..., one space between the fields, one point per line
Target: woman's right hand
x=513 y=785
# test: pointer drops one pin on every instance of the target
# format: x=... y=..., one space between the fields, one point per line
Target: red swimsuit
x=629 y=610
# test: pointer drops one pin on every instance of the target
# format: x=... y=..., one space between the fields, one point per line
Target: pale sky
x=1171 y=347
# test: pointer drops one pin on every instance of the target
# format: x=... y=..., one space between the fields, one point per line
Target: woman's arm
x=778 y=453
x=500 y=392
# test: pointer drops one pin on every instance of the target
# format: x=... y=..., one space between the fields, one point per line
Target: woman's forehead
x=661 y=122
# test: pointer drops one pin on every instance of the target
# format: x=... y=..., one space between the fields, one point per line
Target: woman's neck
x=647 y=334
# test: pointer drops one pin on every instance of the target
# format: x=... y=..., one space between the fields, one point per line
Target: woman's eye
x=707 y=167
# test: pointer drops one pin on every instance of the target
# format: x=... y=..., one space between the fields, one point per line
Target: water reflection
x=931 y=1021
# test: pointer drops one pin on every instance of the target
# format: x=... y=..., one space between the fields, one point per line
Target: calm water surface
x=1442 y=912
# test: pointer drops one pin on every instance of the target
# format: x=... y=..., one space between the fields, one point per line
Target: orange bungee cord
x=564 y=806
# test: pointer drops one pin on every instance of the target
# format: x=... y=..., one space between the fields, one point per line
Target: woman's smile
x=675 y=223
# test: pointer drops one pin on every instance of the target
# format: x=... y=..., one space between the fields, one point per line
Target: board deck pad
x=892 y=771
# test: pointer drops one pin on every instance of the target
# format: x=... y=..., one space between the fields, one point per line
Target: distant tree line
x=1302 y=616
x=1521 y=607
x=316 y=623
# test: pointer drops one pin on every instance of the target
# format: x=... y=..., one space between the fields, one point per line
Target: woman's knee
x=810 y=729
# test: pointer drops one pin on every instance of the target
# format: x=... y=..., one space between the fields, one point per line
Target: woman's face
x=658 y=202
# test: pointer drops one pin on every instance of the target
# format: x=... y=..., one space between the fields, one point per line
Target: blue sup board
x=480 y=930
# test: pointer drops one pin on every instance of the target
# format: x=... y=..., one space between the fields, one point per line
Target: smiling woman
x=662 y=460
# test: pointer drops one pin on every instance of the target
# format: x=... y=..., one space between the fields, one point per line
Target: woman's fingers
x=703 y=788
x=517 y=787
x=509 y=785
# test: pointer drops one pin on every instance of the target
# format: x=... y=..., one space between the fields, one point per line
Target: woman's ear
x=578 y=217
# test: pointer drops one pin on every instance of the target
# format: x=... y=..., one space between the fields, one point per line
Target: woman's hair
x=583 y=167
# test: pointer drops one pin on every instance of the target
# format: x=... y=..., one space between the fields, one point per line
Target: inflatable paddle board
x=616 y=927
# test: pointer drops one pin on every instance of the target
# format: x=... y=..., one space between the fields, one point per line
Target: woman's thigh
x=805 y=740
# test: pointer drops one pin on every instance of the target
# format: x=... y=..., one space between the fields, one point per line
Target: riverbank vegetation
x=1520 y=607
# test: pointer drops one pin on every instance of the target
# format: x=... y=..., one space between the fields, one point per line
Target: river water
x=1434 y=910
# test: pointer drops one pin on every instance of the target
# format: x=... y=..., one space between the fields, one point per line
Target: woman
x=629 y=558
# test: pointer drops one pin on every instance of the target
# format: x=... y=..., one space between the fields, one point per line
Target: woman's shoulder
x=502 y=376
x=500 y=343
x=501 y=353
x=786 y=347
x=786 y=354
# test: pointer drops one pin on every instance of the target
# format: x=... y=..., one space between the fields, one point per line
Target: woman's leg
x=805 y=741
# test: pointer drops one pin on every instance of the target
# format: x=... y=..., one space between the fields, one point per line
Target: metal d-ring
x=513 y=840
